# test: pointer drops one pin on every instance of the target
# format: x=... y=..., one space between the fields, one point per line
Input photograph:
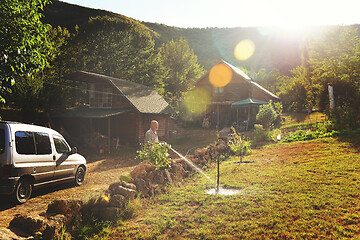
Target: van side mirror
x=73 y=150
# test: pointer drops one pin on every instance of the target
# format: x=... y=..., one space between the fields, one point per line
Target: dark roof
x=143 y=98
x=86 y=112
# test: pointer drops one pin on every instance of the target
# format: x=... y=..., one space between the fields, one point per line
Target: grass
x=293 y=119
x=296 y=190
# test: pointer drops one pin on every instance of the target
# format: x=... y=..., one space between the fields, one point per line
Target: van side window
x=24 y=143
x=43 y=145
x=32 y=143
x=2 y=140
x=60 y=145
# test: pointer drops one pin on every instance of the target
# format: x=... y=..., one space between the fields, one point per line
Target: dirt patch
x=99 y=176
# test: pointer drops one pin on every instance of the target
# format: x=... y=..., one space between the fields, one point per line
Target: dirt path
x=99 y=176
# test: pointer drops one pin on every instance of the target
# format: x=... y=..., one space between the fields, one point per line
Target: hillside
x=272 y=50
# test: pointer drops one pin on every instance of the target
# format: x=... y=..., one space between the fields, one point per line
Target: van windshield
x=2 y=140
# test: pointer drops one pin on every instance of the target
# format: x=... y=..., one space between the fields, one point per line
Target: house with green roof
x=117 y=109
x=234 y=96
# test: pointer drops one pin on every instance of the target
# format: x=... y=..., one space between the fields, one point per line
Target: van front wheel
x=23 y=191
x=79 y=176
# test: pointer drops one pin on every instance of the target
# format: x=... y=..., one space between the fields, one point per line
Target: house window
x=219 y=90
x=100 y=96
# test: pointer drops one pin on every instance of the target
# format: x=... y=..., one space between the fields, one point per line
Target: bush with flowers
x=156 y=153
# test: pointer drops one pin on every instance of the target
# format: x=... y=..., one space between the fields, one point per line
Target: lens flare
x=196 y=101
x=244 y=50
x=220 y=75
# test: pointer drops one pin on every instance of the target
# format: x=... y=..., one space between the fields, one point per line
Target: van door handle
x=54 y=158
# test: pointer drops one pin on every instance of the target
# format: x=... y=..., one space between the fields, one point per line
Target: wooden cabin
x=118 y=109
x=240 y=87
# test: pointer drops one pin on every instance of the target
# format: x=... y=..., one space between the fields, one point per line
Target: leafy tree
x=38 y=91
x=335 y=58
x=181 y=67
x=115 y=48
x=24 y=42
x=293 y=92
x=271 y=80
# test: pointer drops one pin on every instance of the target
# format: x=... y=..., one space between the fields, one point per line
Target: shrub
x=260 y=133
x=156 y=153
x=273 y=135
x=267 y=115
x=238 y=145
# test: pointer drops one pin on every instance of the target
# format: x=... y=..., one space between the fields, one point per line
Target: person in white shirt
x=151 y=135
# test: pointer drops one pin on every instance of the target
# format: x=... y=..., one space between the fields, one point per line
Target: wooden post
x=109 y=134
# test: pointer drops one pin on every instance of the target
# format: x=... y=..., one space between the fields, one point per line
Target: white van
x=33 y=156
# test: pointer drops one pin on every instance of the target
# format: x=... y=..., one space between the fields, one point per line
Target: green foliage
x=333 y=57
x=63 y=234
x=25 y=45
x=293 y=92
x=156 y=153
x=267 y=115
x=271 y=80
x=238 y=145
x=260 y=134
x=132 y=209
x=90 y=227
x=318 y=130
x=116 y=48
x=181 y=67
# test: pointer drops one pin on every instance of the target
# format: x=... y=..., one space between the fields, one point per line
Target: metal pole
x=218 y=174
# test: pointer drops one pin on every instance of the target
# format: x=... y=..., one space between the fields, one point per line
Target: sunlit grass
x=288 y=190
x=304 y=118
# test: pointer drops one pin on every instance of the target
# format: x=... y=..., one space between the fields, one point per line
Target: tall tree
x=115 y=48
x=181 y=66
x=335 y=58
x=24 y=42
x=332 y=58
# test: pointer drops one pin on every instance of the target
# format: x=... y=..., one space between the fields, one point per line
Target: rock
x=118 y=189
x=118 y=201
x=141 y=170
x=158 y=178
x=129 y=185
x=64 y=207
x=177 y=171
x=53 y=227
x=109 y=213
x=26 y=226
x=168 y=177
x=142 y=187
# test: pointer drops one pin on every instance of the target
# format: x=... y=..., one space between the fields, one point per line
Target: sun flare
x=220 y=75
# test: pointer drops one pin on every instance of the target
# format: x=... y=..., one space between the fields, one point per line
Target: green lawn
x=297 y=190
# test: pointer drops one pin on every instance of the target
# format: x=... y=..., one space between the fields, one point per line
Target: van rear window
x=32 y=143
x=2 y=140
x=24 y=143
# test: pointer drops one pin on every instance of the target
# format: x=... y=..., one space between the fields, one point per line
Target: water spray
x=217 y=189
x=192 y=164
